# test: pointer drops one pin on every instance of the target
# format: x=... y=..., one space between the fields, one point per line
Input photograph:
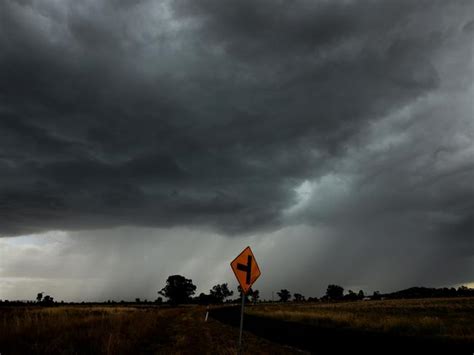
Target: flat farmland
x=121 y=330
x=374 y=327
x=425 y=326
x=448 y=319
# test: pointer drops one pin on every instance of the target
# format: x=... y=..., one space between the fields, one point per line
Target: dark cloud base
x=209 y=118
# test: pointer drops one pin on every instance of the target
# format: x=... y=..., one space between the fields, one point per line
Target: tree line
x=180 y=290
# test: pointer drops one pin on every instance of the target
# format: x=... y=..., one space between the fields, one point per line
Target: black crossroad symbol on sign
x=246 y=268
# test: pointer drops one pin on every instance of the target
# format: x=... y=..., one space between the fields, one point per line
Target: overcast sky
x=140 y=139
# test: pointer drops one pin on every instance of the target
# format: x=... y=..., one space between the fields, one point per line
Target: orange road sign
x=246 y=269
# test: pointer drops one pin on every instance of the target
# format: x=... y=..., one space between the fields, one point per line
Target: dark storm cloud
x=208 y=113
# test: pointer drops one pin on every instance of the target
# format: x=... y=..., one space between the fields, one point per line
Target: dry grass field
x=121 y=330
x=449 y=318
x=135 y=329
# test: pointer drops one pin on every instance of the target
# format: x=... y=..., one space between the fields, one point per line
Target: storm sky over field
x=140 y=139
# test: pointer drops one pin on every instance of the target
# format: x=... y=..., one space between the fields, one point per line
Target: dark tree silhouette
x=376 y=296
x=178 y=289
x=239 y=290
x=334 y=292
x=47 y=300
x=205 y=299
x=39 y=297
x=255 y=295
x=298 y=297
x=284 y=295
x=360 y=295
x=426 y=292
x=351 y=296
x=220 y=292
x=465 y=291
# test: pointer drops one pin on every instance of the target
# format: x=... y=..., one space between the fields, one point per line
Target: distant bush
x=284 y=295
x=334 y=292
x=178 y=289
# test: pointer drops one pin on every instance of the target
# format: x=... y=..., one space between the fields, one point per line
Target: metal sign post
x=246 y=271
x=241 y=322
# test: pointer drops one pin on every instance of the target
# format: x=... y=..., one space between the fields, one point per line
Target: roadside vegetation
x=448 y=318
x=122 y=330
x=178 y=323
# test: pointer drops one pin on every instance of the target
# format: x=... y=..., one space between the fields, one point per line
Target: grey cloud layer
x=210 y=113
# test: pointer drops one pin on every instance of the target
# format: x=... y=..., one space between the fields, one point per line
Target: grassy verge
x=451 y=318
x=120 y=330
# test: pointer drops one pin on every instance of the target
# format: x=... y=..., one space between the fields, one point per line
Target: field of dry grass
x=162 y=330
x=450 y=318
x=120 y=330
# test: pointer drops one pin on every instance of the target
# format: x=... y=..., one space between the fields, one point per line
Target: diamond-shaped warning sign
x=246 y=269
